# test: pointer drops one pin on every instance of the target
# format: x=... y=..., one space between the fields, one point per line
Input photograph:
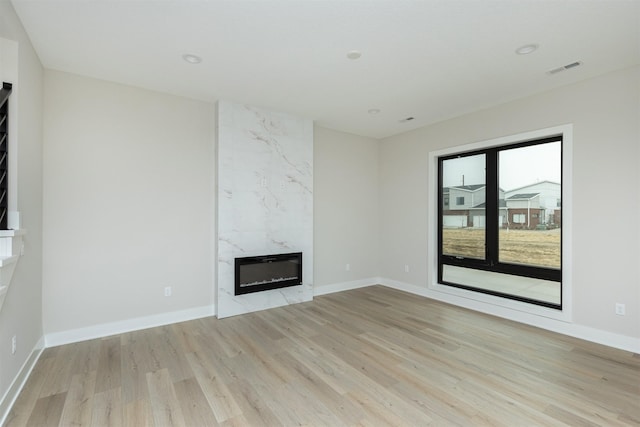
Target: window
x=508 y=243
x=518 y=218
x=4 y=154
x=460 y=201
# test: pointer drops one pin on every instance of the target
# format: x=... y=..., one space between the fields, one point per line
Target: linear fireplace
x=262 y=273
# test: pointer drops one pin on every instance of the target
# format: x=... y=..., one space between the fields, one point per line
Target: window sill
x=11 y=248
x=13 y=233
x=8 y=260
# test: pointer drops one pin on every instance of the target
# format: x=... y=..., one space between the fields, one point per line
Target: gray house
x=525 y=207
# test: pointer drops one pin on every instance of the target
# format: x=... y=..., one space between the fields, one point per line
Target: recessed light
x=406 y=119
x=192 y=59
x=526 y=49
x=354 y=54
x=373 y=111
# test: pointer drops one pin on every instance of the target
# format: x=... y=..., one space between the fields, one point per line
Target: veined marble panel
x=264 y=201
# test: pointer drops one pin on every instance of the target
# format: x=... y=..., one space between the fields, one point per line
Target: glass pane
x=530 y=189
x=526 y=287
x=463 y=207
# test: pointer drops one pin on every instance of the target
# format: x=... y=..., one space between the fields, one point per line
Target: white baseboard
x=586 y=333
x=19 y=381
x=344 y=286
x=113 y=328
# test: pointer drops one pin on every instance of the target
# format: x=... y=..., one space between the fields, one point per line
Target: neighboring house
x=457 y=203
x=466 y=196
x=524 y=211
x=524 y=207
x=549 y=201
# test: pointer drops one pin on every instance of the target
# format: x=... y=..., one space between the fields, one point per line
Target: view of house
x=527 y=207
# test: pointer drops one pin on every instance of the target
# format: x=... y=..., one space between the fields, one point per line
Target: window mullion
x=440 y=213
x=491 y=206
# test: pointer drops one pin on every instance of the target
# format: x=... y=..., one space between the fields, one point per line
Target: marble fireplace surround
x=264 y=200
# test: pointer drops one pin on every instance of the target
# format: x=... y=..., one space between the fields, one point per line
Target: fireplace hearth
x=266 y=272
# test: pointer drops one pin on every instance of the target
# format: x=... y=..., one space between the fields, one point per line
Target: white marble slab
x=264 y=201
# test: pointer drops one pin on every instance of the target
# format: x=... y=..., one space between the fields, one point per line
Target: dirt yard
x=532 y=247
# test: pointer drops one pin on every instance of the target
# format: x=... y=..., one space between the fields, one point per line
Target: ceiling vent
x=565 y=67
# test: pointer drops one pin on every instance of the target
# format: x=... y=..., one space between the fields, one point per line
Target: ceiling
x=430 y=60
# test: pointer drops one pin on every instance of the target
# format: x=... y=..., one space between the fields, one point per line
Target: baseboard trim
x=123 y=326
x=20 y=380
x=586 y=333
x=344 y=286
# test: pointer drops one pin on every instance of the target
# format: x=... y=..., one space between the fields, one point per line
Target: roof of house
x=473 y=187
x=502 y=203
x=523 y=196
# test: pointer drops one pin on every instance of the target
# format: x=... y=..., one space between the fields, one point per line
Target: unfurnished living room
x=319 y=213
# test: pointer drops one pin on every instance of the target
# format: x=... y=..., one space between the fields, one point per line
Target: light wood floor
x=368 y=357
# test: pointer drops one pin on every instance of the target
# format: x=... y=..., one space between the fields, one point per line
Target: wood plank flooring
x=367 y=357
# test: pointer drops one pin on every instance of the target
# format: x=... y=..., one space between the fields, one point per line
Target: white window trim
x=471 y=299
x=9 y=73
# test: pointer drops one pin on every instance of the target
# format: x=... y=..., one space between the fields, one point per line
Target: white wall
x=21 y=313
x=346 y=221
x=128 y=204
x=605 y=113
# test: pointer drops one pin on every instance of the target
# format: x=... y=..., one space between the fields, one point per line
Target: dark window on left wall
x=5 y=92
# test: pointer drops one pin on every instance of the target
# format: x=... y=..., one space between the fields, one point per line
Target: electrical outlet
x=620 y=309
x=14 y=344
x=347 y=267
x=406 y=268
x=167 y=291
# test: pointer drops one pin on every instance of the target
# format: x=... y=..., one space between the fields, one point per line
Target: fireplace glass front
x=261 y=273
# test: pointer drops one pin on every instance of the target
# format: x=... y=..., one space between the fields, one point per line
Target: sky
x=518 y=167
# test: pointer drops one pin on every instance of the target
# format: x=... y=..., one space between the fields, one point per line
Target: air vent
x=565 y=67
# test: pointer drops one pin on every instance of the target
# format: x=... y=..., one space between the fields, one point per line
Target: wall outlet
x=14 y=345
x=620 y=309
x=347 y=267
x=167 y=291
x=406 y=268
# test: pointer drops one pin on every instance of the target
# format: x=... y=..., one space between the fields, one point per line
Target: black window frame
x=491 y=260
x=5 y=92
